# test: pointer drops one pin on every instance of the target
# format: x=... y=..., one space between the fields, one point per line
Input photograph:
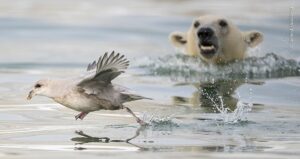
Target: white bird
x=93 y=91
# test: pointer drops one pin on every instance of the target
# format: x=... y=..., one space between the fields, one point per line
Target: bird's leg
x=81 y=115
x=137 y=132
x=140 y=121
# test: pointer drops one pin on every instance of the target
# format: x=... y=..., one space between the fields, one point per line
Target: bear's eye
x=223 y=23
x=196 y=24
x=38 y=86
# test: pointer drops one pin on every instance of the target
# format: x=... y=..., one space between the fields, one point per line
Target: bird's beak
x=31 y=94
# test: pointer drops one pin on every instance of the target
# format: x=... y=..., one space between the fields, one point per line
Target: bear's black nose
x=205 y=33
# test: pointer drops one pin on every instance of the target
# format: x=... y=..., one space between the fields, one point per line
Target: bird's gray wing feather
x=108 y=67
x=91 y=66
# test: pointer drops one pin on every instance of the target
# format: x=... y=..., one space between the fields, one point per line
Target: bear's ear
x=178 y=39
x=253 y=38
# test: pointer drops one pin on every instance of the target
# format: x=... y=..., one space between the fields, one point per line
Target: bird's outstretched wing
x=108 y=67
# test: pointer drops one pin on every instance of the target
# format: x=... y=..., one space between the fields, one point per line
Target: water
x=181 y=66
x=247 y=109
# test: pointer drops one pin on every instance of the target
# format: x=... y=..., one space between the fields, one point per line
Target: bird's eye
x=38 y=86
x=223 y=23
x=196 y=24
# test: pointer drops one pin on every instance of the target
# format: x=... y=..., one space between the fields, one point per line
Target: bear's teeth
x=207 y=47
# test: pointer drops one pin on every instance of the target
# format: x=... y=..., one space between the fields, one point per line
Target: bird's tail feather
x=132 y=97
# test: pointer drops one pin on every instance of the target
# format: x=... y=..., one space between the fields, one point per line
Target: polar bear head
x=216 y=40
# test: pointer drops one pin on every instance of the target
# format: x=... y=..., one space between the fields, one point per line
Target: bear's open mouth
x=208 y=48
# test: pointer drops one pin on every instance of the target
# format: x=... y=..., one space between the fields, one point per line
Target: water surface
x=247 y=109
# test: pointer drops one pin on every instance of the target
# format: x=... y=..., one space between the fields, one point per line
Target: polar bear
x=215 y=40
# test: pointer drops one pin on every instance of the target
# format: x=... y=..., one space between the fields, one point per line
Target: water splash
x=160 y=123
x=182 y=67
x=227 y=115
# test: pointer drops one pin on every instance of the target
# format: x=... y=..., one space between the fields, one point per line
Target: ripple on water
x=70 y=147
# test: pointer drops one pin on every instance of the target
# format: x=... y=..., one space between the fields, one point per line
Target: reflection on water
x=210 y=94
x=218 y=97
x=85 y=139
x=148 y=143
